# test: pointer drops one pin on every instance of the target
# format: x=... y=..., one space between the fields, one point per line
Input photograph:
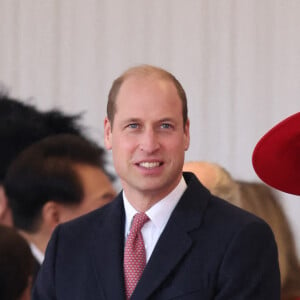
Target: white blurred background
x=239 y=61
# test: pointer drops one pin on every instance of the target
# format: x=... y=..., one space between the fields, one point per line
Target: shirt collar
x=37 y=253
x=159 y=213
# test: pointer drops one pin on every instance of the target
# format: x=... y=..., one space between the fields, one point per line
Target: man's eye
x=165 y=125
x=133 y=125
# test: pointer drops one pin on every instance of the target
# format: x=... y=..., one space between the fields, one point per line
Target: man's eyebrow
x=167 y=120
x=131 y=120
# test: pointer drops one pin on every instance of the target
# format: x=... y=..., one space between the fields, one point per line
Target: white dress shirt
x=158 y=214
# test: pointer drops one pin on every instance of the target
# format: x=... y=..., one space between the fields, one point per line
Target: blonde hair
x=262 y=201
x=215 y=178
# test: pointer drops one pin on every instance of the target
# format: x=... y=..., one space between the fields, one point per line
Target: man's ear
x=107 y=134
x=187 y=135
x=5 y=212
x=50 y=214
x=3 y=202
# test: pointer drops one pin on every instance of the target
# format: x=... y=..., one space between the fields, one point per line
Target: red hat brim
x=276 y=157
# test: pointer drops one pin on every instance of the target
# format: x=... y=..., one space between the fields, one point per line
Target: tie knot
x=138 y=221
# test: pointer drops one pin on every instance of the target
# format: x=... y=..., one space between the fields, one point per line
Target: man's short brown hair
x=144 y=71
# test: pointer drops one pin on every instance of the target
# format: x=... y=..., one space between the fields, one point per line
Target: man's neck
x=144 y=200
x=37 y=239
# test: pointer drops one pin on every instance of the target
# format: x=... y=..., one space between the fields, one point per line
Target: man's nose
x=149 y=141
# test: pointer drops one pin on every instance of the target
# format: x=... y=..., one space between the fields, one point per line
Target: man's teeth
x=149 y=165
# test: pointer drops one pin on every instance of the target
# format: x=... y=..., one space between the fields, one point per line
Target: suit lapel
x=175 y=240
x=107 y=251
x=162 y=262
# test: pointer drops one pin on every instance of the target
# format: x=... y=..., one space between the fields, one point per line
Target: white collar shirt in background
x=39 y=256
x=158 y=214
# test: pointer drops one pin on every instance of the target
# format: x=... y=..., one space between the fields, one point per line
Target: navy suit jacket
x=209 y=249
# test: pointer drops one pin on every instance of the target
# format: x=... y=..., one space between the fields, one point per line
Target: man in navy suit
x=197 y=245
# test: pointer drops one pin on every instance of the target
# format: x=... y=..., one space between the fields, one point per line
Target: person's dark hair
x=16 y=264
x=144 y=71
x=22 y=124
x=45 y=171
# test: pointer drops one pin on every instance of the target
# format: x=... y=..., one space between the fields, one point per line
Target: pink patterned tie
x=134 y=254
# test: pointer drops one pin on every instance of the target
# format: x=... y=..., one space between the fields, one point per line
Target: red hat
x=276 y=157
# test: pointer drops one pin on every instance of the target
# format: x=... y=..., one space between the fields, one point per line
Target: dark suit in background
x=208 y=250
x=36 y=268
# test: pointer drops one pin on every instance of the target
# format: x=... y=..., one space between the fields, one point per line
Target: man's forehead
x=146 y=86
